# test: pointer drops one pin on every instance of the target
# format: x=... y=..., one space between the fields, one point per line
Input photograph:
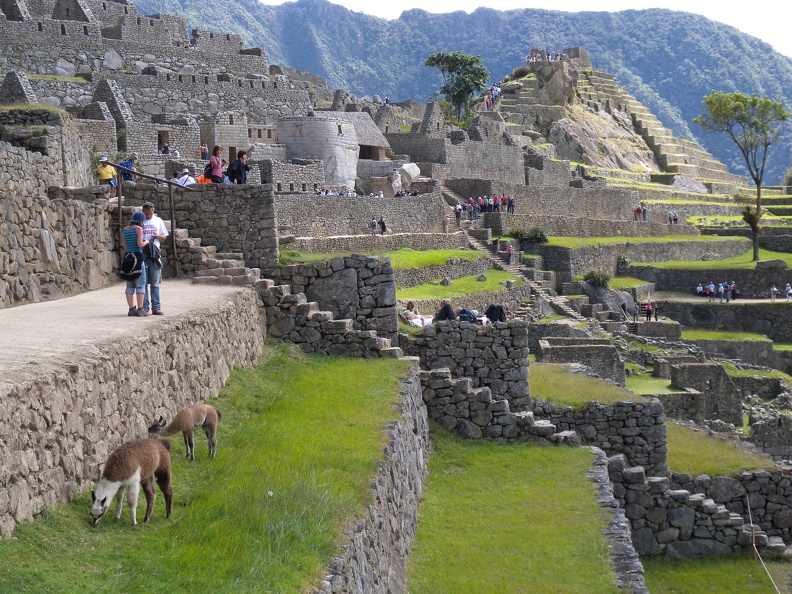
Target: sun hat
x=186 y=170
x=102 y=159
x=138 y=217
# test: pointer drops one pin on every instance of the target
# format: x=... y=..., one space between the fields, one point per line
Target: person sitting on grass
x=414 y=318
x=446 y=312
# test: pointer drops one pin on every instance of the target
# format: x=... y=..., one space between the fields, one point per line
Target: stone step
x=391 y=353
x=230 y=256
x=337 y=326
x=320 y=316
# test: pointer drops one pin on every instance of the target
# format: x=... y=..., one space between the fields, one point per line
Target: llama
x=186 y=420
x=130 y=466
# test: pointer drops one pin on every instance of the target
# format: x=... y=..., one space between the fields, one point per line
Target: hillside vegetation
x=668 y=59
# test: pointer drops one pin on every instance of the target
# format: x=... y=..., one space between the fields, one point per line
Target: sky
x=761 y=19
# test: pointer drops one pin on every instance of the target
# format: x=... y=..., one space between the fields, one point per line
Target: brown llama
x=130 y=466
x=186 y=420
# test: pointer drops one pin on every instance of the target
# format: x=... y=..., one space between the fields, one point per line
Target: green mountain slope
x=668 y=59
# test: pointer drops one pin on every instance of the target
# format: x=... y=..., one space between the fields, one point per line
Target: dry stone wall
x=56 y=430
x=773 y=320
x=753 y=284
x=597 y=353
x=53 y=248
x=379 y=243
x=575 y=226
x=377 y=547
x=327 y=216
x=412 y=277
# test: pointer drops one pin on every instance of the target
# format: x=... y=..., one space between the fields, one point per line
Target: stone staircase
x=531 y=276
x=599 y=91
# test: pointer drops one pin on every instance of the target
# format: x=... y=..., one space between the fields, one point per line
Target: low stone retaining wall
x=754 y=284
x=356 y=244
x=598 y=354
x=773 y=320
x=510 y=298
x=376 y=548
x=722 y=399
x=684 y=406
x=413 y=277
x=53 y=248
x=58 y=429
x=772 y=436
x=764 y=387
x=606 y=257
x=574 y=226
x=635 y=429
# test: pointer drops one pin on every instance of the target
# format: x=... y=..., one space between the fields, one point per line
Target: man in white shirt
x=154 y=231
x=185 y=179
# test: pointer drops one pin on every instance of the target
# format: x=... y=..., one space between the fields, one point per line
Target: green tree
x=753 y=124
x=463 y=75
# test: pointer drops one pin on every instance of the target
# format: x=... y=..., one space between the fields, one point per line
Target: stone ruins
x=84 y=78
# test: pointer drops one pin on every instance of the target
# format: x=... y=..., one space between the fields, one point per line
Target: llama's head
x=99 y=506
x=158 y=426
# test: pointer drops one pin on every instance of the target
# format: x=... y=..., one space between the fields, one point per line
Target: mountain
x=668 y=59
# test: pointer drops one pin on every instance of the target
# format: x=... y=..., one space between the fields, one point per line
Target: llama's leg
x=211 y=435
x=119 y=497
x=151 y=497
x=186 y=443
x=132 y=498
x=191 y=444
x=164 y=482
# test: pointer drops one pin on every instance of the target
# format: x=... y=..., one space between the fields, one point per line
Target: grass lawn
x=554 y=384
x=724 y=575
x=627 y=282
x=695 y=453
x=647 y=384
x=467 y=285
x=732 y=370
x=402 y=259
x=489 y=521
x=700 y=334
x=579 y=242
x=782 y=346
x=298 y=447
x=744 y=262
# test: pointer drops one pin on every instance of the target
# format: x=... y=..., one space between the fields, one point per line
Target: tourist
x=382 y=226
x=636 y=311
x=773 y=293
x=700 y=290
x=458 y=214
x=129 y=164
x=237 y=171
x=165 y=149
x=105 y=172
x=637 y=213
x=414 y=318
x=204 y=152
x=711 y=291
x=788 y=292
x=134 y=243
x=656 y=310
x=624 y=311
x=495 y=313
x=154 y=231
x=735 y=292
x=645 y=213
x=496 y=243
x=373 y=225
x=185 y=179
x=445 y=312
x=217 y=162
x=509 y=252
x=648 y=310
x=727 y=291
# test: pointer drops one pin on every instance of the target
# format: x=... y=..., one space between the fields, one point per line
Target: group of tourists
x=673 y=217
x=546 y=56
x=493 y=95
x=641 y=213
x=475 y=206
x=725 y=291
x=375 y=225
x=141 y=265
x=445 y=312
x=649 y=309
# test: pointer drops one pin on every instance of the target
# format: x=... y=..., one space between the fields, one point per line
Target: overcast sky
x=760 y=19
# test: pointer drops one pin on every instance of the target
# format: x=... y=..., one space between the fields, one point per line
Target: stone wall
x=357 y=288
x=605 y=257
x=43 y=142
x=689 y=405
x=376 y=549
x=573 y=226
x=327 y=216
x=53 y=248
x=380 y=243
x=635 y=429
x=722 y=399
x=412 y=277
x=771 y=435
x=232 y=218
x=762 y=386
x=298 y=175
x=753 y=284
x=54 y=447
x=597 y=353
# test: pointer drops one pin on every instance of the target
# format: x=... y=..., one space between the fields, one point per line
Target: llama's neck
x=107 y=488
x=171 y=429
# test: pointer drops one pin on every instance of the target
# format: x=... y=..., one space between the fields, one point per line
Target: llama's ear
x=93 y=496
x=104 y=501
x=162 y=420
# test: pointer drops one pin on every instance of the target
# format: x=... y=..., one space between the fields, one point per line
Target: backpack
x=131 y=266
x=126 y=175
x=466 y=316
x=208 y=170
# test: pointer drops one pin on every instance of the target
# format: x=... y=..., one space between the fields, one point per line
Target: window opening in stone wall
x=305 y=187
x=167 y=77
x=211 y=35
x=138 y=20
x=193 y=78
x=228 y=38
x=85 y=30
x=40 y=27
x=151 y=23
x=298 y=130
x=259 y=132
x=180 y=78
x=126 y=10
x=291 y=187
x=163 y=137
x=280 y=189
x=239 y=83
x=438 y=125
x=316 y=187
x=251 y=84
x=104 y=5
x=67 y=13
x=206 y=80
x=63 y=29
x=274 y=85
x=250 y=132
x=386 y=129
x=263 y=85
x=231 y=119
x=339 y=129
x=269 y=133
x=232 y=152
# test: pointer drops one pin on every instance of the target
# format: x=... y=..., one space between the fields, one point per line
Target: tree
x=753 y=124
x=463 y=74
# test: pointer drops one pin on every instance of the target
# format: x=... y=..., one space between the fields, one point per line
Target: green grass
x=28 y=106
x=402 y=259
x=647 y=384
x=489 y=521
x=549 y=319
x=298 y=448
x=744 y=262
x=627 y=282
x=724 y=575
x=782 y=346
x=701 y=334
x=579 y=242
x=695 y=453
x=554 y=384
x=732 y=370
x=467 y=285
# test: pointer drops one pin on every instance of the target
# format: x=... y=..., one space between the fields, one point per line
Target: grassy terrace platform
x=509 y=519
x=724 y=575
x=553 y=383
x=402 y=259
x=744 y=262
x=467 y=285
x=579 y=242
x=700 y=334
x=299 y=445
x=696 y=452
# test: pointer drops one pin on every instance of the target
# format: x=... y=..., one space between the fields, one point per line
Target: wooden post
x=173 y=231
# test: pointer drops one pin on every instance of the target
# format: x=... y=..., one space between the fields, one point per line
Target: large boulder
x=684 y=183
x=771 y=265
x=337 y=293
x=408 y=173
x=696 y=547
x=724 y=489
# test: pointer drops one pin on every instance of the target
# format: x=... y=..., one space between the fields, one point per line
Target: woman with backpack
x=132 y=267
x=216 y=164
